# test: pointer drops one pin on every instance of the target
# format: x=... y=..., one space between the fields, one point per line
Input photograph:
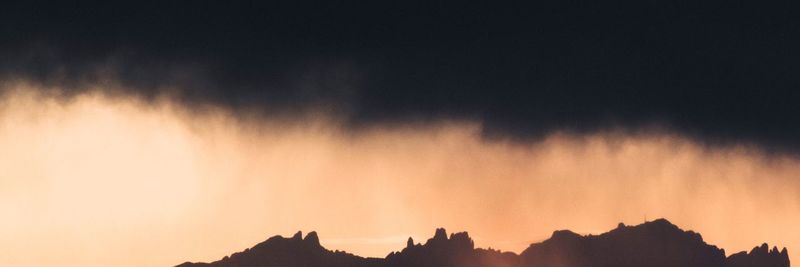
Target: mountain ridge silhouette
x=654 y=243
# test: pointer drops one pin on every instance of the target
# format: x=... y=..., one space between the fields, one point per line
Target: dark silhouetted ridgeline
x=653 y=244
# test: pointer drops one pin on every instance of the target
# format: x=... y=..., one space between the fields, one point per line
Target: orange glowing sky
x=113 y=180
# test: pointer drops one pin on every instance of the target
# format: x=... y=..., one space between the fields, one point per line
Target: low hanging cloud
x=720 y=74
x=98 y=178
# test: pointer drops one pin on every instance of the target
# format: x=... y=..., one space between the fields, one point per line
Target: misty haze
x=392 y=134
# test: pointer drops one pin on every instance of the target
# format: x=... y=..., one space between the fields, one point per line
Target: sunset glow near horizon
x=101 y=179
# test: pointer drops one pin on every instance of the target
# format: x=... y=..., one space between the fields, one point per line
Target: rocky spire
x=312 y=239
x=298 y=236
x=441 y=234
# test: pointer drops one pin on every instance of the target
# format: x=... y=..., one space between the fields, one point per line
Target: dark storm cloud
x=721 y=72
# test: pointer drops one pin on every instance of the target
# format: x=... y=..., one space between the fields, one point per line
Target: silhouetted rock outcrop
x=457 y=250
x=312 y=240
x=294 y=251
x=759 y=256
x=656 y=243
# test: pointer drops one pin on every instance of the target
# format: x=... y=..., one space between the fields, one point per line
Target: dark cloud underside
x=722 y=72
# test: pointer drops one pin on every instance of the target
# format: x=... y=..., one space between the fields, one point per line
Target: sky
x=138 y=134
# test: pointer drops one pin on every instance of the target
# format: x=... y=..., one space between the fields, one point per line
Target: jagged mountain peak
x=441 y=234
x=298 y=235
x=654 y=243
x=760 y=256
x=312 y=239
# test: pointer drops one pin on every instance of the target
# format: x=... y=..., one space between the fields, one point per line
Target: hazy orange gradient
x=99 y=179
